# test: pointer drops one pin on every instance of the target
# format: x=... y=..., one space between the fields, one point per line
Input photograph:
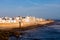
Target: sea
x=51 y=32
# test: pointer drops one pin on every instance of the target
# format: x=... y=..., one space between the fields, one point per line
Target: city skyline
x=38 y=8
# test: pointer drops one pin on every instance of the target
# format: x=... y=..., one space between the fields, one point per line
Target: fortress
x=13 y=26
x=16 y=22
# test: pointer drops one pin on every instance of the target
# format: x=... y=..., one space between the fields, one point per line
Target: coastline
x=14 y=29
x=22 y=25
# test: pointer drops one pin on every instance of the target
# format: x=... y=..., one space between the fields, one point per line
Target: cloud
x=34 y=3
x=52 y=5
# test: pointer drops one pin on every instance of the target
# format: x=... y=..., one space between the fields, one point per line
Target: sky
x=37 y=8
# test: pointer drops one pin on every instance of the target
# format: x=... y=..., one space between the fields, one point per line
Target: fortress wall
x=25 y=22
x=9 y=25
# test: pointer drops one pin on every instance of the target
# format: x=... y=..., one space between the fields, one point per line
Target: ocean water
x=40 y=33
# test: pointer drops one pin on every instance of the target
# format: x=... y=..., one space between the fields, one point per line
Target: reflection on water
x=40 y=33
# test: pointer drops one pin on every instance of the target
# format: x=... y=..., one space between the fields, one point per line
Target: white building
x=41 y=19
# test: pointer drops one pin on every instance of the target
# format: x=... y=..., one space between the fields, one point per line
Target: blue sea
x=41 y=33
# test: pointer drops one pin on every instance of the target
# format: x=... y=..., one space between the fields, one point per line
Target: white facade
x=41 y=19
x=17 y=19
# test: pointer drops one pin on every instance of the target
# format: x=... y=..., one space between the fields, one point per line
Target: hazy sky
x=38 y=8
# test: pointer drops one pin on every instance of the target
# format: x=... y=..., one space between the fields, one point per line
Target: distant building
x=41 y=19
x=20 y=19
